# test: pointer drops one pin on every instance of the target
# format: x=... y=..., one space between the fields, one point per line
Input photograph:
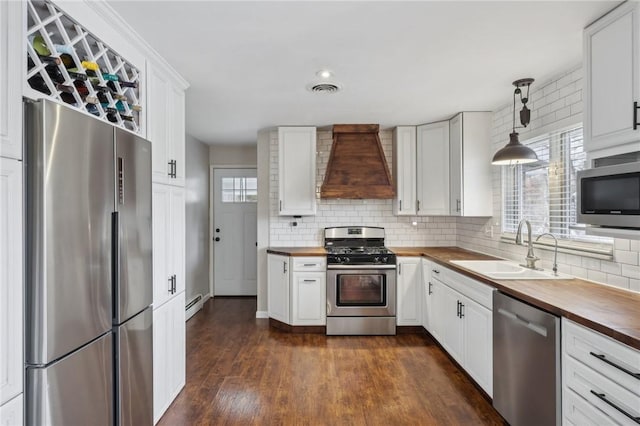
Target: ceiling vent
x=324 y=87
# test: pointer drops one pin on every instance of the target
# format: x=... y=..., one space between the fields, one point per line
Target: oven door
x=361 y=290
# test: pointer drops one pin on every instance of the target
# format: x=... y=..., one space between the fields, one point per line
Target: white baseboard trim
x=262 y=314
x=193 y=309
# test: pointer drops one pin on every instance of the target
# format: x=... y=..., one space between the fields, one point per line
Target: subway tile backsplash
x=557 y=101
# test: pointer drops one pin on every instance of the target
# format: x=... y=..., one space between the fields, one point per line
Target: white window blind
x=544 y=193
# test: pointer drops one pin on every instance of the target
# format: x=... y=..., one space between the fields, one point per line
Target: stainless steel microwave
x=610 y=196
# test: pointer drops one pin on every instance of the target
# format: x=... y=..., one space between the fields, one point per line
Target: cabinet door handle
x=171 y=284
x=458 y=313
x=461 y=310
x=417 y=205
x=175 y=285
x=284 y=267
x=618 y=364
x=175 y=169
x=170 y=168
x=399 y=268
x=435 y=271
x=400 y=204
x=430 y=285
x=618 y=406
x=457 y=205
x=635 y=115
x=280 y=205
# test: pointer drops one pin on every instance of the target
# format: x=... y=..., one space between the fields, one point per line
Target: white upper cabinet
x=404 y=170
x=11 y=69
x=470 y=172
x=611 y=88
x=297 y=171
x=433 y=169
x=165 y=126
x=11 y=362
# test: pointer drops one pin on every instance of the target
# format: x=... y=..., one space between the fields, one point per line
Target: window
x=239 y=190
x=544 y=193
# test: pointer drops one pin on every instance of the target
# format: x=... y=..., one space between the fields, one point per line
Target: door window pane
x=239 y=190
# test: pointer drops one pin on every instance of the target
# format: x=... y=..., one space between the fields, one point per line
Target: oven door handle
x=361 y=267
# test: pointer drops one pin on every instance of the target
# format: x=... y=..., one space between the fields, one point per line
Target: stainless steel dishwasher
x=526 y=363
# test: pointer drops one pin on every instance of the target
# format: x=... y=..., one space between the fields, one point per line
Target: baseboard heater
x=194 y=306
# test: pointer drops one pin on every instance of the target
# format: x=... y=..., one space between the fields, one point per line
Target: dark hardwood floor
x=241 y=371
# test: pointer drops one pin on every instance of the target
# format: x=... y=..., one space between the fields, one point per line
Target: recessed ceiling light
x=324 y=73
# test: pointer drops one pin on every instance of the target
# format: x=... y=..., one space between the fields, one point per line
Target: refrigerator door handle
x=120 y=180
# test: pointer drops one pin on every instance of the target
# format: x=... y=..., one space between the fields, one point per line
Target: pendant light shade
x=514 y=152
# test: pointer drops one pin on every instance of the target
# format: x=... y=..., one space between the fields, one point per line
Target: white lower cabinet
x=427 y=295
x=11 y=359
x=308 y=297
x=169 y=353
x=297 y=291
x=278 y=287
x=600 y=382
x=462 y=321
x=11 y=413
x=409 y=291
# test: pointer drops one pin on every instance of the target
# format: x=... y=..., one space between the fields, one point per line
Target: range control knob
x=345 y=259
x=385 y=259
x=376 y=259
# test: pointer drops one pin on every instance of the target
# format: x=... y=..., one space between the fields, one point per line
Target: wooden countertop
x=298 y=251
x=609 y=310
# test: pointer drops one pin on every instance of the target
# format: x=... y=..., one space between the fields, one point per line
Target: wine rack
x=67 y=63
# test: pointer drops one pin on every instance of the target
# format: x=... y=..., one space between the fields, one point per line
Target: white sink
x=508 y=270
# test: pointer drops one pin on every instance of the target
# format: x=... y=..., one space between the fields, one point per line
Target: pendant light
x=514 y=152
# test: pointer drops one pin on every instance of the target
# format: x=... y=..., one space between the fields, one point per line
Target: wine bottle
x=110 y=77
x=39 y=45
x=67 y=61
x=126 y=117
x=102 y=97
x=63 y=48
x=64 y=88
x=112 y=114
x=77 y=75
x=50 y=59
x=37 y=83
x=135 y=107
x=90 y=66
x=132 y=84
x=68 y=98
x=114 y=91
x=91 y=100
x=93 y=109
x=82 y=89
x=54 y=73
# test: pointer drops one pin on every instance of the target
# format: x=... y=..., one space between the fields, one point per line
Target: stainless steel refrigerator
x=88 y=345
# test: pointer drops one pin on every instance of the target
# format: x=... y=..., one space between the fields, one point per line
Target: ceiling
x=249 y=63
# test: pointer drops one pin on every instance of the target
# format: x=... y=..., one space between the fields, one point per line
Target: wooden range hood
x=357 y=168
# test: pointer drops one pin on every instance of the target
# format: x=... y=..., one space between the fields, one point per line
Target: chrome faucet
x=530 y=259
x=555 y=253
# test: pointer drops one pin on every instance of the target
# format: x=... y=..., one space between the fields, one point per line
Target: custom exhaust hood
x=357 y=168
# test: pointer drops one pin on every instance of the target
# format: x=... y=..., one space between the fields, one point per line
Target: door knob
x=217 y=238
x=217 y=229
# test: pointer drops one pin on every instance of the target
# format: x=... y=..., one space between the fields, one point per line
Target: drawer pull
x=617 y=405
x=310 y=281
x=310 y=264
x=618 y=364
x=436 y=271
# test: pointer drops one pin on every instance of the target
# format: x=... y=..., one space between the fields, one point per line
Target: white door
x=235 y=194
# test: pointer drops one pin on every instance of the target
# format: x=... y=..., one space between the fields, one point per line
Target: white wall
x=428 y=231
x=197 y=218
x=233 y=155
x=555 y=104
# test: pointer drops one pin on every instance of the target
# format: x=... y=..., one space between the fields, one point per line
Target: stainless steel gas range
x=361 y=282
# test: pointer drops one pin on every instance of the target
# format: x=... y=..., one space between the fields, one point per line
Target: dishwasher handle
x=541 y=330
